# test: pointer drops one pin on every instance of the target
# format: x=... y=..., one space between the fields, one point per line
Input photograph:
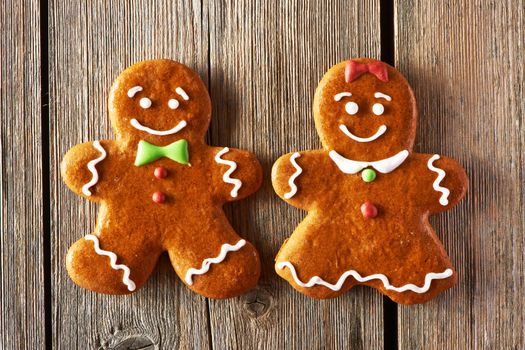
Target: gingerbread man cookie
x=161 y=188
x=368 y=195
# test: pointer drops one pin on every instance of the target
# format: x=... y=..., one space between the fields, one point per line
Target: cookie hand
x=237 y=174
x=81 y=168
x=447 y=183
x=295 y=177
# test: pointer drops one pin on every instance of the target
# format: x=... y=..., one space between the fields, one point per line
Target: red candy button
x=368 y=210
x=158 y=197
x=160 y=172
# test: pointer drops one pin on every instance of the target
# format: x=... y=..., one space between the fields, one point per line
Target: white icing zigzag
x=226 y=177
x=443 y=200
x=299 y=170
x=91 y=167
x=113 y=261
x=316 y=280
x=225 y=249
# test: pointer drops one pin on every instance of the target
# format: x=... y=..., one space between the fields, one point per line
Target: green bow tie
x=177 y=151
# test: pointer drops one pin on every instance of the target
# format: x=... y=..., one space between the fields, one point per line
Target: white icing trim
x=443 y=200
x=134 y=90
x=91 y=167
x=183 y=93
x=298 y=171
x=316 y=280
x=384 y=166
x=226 y=177
x=382 y=95
x=136 y=124
x=113 y=262
x=378 y=133
x=206 y=264
x=340 y=95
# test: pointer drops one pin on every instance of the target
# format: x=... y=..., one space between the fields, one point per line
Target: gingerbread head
x=365 y=109
x=159 y=101
x=161 y=188
x=368 y=195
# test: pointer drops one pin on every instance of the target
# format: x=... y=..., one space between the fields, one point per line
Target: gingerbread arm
x=83 y=168
x=237 y=173
x=445 y=182
x=298 y=179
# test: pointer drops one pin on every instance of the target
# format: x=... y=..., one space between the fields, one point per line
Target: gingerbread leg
x=213 y=260
x=419 y=277
x=313 y=259
x=111 y=263
x=429 y=287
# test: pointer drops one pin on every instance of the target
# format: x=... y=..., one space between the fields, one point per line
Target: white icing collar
x=384 y=166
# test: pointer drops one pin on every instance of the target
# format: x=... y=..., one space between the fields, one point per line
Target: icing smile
x=379 y=132
x=136 y=124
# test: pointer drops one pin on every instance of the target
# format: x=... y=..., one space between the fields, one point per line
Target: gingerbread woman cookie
x=368 y=195
x=161 y=188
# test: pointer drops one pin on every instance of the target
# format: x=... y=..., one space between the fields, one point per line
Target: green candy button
x=368 y=175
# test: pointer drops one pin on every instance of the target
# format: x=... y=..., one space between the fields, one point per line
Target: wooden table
x=261 y=62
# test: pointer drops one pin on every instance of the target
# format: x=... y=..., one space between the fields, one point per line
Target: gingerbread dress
x=368 y=195
x=161 y=188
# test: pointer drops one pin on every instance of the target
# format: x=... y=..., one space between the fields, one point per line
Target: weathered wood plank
x=465 y=62
x=266 y=59
x=21 y=237
x=90 y=43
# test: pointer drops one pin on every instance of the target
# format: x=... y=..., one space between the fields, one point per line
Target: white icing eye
x=378 y=109
x=173 y=103
x=145 y=102
x=351 y=108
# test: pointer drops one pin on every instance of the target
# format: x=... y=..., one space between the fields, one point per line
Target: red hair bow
x=355 y=69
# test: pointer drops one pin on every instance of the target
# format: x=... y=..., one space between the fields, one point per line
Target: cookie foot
x=408 y=297
x=233 y=271
x=93 y=265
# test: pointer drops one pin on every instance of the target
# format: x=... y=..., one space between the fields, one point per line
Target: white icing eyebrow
x=134 y=90
x=382 y=95
x=183 y=93
x=340 y=95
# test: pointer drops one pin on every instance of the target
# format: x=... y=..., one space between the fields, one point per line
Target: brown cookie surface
x=368 y=195
x=161 y=188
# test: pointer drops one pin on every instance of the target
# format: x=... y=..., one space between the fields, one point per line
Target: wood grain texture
x=21 y=237
x=262 y=61
x=89 y=46
x=266 y=59
x=465 y=62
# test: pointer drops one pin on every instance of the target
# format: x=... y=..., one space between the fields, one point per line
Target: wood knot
x=257 y=302
x=128 y=342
